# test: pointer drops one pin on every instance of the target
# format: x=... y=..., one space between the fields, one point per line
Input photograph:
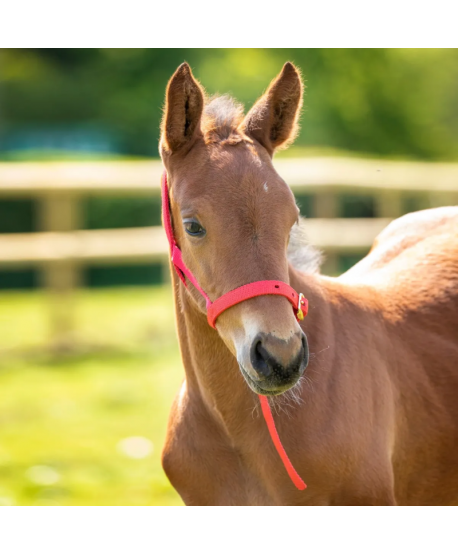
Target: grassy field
x=87 y=428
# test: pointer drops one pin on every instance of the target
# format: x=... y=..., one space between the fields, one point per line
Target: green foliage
x=398 y=103
x=116 y=213
x=391 y=102
x=63 y=421
x=357 y=205
x=17 y=216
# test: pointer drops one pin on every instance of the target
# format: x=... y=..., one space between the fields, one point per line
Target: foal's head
x=232 y=216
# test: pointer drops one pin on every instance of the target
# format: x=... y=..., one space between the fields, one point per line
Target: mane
x=301 y=254
x=221 y=120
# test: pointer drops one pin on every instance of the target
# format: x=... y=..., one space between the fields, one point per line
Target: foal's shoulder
x=410 y=242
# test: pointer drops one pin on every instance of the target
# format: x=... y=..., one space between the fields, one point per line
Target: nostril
x=304 y=342
x=305 y=351
x=259 y=359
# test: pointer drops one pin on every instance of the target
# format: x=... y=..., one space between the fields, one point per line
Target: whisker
x=255 y=409
x=289 y=400
x=294 y=397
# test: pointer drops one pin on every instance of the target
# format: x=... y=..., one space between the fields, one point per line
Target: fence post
x=389 y=205
x=439 y=199
x=326 y=206
x=60 y=278
x=165 y=272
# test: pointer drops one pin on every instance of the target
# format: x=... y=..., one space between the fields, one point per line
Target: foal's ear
x=272 y=121
x=183 y=111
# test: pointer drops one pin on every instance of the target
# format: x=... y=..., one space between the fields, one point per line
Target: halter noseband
x=231 y=298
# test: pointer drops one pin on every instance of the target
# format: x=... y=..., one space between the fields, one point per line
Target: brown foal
x=373 y=419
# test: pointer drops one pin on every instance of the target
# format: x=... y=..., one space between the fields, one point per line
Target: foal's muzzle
x=276 y=365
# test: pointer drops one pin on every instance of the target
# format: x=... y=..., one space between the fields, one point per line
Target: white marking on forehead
x=265 y=187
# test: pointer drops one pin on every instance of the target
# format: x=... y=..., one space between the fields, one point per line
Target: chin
x=268 y=387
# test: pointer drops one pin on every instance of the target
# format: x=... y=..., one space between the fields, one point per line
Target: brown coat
x=374 y=418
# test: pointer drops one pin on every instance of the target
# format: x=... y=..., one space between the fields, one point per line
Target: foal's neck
x=212 y=374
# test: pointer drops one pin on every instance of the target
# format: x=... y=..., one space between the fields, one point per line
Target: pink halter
x=215 y=308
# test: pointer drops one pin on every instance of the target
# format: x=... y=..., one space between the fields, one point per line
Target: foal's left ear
x=184 y=104
x=272 y=121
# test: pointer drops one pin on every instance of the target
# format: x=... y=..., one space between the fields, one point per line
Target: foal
x=376 y=414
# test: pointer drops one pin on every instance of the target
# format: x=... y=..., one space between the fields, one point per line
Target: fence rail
x=303 y=174
x=61 y=248
x=149 y=244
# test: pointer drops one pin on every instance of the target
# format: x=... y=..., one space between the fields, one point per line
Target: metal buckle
x=300 y=303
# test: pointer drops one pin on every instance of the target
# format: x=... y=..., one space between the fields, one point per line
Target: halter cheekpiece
x=231 y=298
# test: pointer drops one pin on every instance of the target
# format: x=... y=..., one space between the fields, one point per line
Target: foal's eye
x=194 y=228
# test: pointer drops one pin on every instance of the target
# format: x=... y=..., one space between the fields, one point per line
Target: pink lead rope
x=214 y=309
x=267 y=413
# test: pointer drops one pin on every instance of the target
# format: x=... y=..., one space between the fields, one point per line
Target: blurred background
x=89 y=360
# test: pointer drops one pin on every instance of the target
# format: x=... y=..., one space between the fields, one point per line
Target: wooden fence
x=60 y=249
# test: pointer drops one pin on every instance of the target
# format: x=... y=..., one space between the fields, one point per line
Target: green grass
x=62 y=418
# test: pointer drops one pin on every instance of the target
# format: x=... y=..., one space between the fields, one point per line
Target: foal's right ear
x=184 y=104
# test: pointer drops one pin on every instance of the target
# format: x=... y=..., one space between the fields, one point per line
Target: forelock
x=221 y=120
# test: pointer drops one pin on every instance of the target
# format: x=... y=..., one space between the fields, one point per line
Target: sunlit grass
x=114 y=319
x=62 y=421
